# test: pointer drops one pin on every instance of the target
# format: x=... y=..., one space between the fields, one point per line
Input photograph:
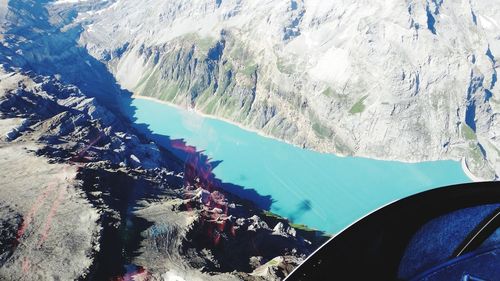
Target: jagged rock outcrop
x=130 y=192
x=276 y=268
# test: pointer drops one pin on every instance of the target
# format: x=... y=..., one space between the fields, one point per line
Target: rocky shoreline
x=466 y=170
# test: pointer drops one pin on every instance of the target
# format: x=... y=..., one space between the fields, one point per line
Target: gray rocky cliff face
x=403 y=80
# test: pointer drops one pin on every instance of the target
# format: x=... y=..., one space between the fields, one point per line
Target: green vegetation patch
x=149 y=85
x=359 y=106
x=328 y=92
x=249 y=69
x=144 y=79
x=476 y=154
x=171 y=92
x=467 y=132
x=205 y=95
x=294 y=225
x=341 y=147
x=273 y=262
x=320 y=130
x=302 y=227
x=241 y=59
x=210 y=107
x=271 y=215
x=238 y=52
x=203 y=44
x=284 y=67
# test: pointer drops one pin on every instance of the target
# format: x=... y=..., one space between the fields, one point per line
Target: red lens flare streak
x=53 y=210
x=198 y=175
x=41 y=200
x=34 y=210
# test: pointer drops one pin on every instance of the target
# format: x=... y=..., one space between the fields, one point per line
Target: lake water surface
x=323 y=191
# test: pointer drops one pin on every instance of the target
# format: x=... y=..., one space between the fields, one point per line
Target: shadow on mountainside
x=35 y=44
x=50 y=51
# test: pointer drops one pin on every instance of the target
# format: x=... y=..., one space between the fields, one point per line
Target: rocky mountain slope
x=408 y=80
x=86 y=194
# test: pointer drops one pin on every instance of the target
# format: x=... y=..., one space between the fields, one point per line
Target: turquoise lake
x=320 y=190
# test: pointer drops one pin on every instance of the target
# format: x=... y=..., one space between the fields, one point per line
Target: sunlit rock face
x=405 y=80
